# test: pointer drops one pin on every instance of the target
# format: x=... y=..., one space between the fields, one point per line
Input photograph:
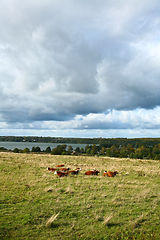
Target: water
x=43 y=146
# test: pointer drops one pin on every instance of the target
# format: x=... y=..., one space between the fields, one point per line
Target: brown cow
x=78 y=169
x=61 y=165
x=61 y=174
x=75 y=172
x=51 y=169
x=64 y=169
x=110 y=174
x=94 y=172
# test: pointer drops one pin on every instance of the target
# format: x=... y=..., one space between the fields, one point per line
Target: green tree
x=156 y=150
x=123 y=152
x=62 y=148
x=103 y=150
x=70 y=149
x=48 y=150
x=87 y=147
x=36 y=149
x=108 y=152
x=114 y=152
x=33 y=149
x=82 y=150
x=56 y=151
x=59 y=150
x=94 y=149
x=77 y=150
x=138 y=153
x=26 y=150
x=16 y=150
x=88 y=151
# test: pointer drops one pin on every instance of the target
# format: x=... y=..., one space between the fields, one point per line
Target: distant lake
x=43 y=146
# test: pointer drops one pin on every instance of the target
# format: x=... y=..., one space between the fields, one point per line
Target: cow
x=78 y=169
x=110 y=174
x=61 y=174
x=61 y=165
x=64 y=169
x=51 y=169
x=94 y=172
x=74 y=172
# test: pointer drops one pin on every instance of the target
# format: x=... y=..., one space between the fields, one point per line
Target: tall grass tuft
x=137 y=222
x=51 y=220
x=107 y=220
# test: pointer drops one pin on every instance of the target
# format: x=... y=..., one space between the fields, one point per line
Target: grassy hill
x=36 y=204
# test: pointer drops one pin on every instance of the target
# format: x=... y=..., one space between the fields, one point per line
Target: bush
x=3 y=149
x=55 y=151
x=36 y=149
x=16 y=150
x=26 y=150
x=48 y=150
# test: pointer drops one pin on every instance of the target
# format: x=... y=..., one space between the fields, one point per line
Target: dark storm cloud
x=59 y=59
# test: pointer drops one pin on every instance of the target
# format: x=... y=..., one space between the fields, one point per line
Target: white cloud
x=95 y=59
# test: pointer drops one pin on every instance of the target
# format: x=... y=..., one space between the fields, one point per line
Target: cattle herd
x=62 y=171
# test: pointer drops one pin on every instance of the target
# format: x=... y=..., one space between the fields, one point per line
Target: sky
x=84 y=68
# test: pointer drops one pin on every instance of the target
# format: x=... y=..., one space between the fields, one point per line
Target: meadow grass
x=36 y=204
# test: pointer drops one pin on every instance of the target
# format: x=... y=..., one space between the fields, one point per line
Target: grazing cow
x=94 y=172
x=75 y=172
x=62 y=165
x=64 y=169
x=78 y=169
x=110 y=174
x=51 y=169
x=61 y=174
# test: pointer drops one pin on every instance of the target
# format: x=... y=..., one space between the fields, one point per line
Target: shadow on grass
x=56 y=225
x=109 y=225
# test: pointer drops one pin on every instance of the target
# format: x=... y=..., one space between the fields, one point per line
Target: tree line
x=104 y=142
x=49 y=139
x=119 y=151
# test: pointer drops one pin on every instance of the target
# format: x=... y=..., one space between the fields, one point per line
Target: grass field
x=36 y=204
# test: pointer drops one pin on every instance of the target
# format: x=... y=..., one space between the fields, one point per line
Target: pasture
x=36 y=204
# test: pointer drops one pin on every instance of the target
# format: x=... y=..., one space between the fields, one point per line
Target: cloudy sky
x=80 y=68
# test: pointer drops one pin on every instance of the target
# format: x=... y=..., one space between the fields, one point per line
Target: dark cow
x=75 y=172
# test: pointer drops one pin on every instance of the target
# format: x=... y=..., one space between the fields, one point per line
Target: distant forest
x=138 y=148
x=104 y=142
